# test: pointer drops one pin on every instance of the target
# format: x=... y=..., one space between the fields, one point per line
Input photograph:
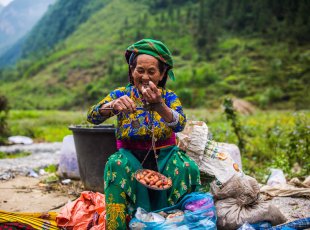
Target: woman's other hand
x=121 y=105
x=124 y=104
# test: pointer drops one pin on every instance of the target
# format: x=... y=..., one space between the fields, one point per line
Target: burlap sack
x=212 y=158
x=193 y=139
x=238 y=202
x=231 y=216
x=244 y=189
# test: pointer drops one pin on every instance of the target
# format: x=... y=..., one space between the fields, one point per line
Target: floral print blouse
x=138 y=125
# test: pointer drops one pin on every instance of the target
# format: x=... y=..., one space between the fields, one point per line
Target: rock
x=42 y=155
x=20 y=140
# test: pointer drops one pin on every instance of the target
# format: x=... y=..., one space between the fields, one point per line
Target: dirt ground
x=27 y=194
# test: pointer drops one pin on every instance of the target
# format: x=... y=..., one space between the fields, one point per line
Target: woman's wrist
x=155 y=106
x=107 y=109
x=164 y=111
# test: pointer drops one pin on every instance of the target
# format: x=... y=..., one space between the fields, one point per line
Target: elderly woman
x=145 y=137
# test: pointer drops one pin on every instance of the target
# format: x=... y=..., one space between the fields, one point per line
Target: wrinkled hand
x=151 y=94
x=124 y=104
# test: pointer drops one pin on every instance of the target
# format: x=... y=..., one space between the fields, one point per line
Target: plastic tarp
x=199 y=214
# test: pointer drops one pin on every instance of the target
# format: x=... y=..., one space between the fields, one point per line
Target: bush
x=4 y=109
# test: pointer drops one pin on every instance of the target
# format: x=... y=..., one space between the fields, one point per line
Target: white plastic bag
x=276 y=177
x=20 y=140
x=68 y=164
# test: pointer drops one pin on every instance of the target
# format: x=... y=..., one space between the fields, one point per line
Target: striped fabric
x=37 y=220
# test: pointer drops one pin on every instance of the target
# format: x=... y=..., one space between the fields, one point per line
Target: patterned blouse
x=127 y=128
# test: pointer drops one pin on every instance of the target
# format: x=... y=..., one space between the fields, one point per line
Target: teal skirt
x=124 y=194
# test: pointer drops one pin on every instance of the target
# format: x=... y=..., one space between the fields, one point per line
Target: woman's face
x=145 y=71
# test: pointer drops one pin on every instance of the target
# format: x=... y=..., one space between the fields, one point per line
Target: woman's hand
x=124 y=104
x=151 y=94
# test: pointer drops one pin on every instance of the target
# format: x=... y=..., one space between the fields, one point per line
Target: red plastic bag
x=87 y=212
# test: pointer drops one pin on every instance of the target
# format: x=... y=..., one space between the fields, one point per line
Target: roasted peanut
x=156 y=178
x=166 y=186
x=147 y=180
x=158 y=183
x=149 y=175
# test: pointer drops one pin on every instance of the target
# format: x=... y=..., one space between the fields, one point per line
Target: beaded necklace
x=150 y=125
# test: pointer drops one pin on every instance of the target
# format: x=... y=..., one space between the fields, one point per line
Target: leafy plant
x=4 y=109
x=231 y=115
x=298 y=149
x=5 y=155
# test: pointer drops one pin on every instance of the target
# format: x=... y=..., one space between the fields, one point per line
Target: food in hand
x=153 y=179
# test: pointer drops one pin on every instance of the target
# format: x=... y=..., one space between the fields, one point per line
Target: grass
x=274 y=139
x=5 y=155
x=44 y=126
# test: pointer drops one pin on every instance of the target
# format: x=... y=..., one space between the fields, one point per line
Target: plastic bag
x=199 y=213
x=86 y=212
x=68 y=164
x=256 y=226
x=246 y=226
x=20 y=140
x=276 y=177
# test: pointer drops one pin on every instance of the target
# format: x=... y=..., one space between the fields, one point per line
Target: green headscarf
x=154 y=48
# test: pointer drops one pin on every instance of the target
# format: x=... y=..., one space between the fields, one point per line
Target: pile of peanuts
x=153 y=179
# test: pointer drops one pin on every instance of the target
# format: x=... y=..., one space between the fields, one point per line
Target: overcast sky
x=5 y=2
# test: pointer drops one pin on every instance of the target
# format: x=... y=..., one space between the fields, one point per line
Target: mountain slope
x=211 y=60
x=18 y=18
x=59 y=22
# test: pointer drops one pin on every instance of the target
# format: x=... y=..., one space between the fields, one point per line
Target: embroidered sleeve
x=93 y=115
x=179 y=118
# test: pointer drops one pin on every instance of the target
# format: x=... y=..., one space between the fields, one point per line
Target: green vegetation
x=4 y=109
x=256 y=50
x=272 y=139
x=47 y=126
x=51 y=169
x=4 y=155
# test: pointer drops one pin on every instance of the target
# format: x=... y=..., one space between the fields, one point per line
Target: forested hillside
x=256 y=50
